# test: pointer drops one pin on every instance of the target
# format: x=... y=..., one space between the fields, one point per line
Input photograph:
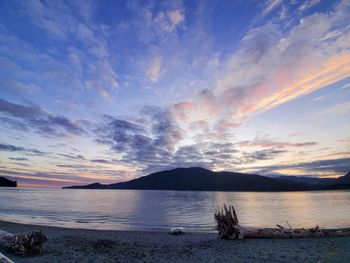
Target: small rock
x=177 y=231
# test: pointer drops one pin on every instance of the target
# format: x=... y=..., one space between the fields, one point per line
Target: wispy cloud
x=18 y=158
x=338 y=109
x=266 y=154
x=308 y=4
x=12 y=148
x=321 y=167
x=33 y=117
x=270 y=5
x=273 y=67
x=90 y=66
x=267 y=143
x=154 y=69
x=167 y=22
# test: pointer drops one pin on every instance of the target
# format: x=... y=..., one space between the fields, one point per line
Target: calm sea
x=159 y=210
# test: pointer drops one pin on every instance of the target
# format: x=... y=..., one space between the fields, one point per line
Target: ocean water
x=160 y=210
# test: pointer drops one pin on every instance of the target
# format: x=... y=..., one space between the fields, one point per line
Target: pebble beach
x=81 y=245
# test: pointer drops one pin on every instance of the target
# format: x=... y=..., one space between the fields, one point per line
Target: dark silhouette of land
x=7 y=183
x=342 y=182
x=200 y=179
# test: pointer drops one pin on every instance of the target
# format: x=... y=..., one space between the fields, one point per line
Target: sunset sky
x=111 y=90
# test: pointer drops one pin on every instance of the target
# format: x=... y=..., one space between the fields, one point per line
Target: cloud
x=267 y=143
x=73 y=166
x=60 y=19
x=338 y=109
x=166 y=22
x=344 y=140
x=17 y=158
x=54 y=20
x=321 y=167
x=154 y=70
x=274 y=63
x=69 y=24
x=273 y=66
x=155 y=142
x=270 y=5
x=21 y=164
x=77 y=157
x=12 y=148
x=49 y=176
x=29 y=89
x=266 y=154
x=101 y=161
x=347 y=85
x=176 y=17
x=12 y=124
x=308 y=4
x=148 y=141
x=338 y=165
x=154 y=23
x=105 y=94
x=41 y=121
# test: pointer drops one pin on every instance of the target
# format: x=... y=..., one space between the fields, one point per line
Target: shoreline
x=86 y=245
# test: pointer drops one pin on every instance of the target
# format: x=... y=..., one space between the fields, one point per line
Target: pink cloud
x=273 y=67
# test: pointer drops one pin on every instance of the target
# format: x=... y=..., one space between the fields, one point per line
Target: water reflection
x=158 y=210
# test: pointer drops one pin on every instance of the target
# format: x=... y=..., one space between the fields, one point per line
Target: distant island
x=200 y=179
x=7 y=183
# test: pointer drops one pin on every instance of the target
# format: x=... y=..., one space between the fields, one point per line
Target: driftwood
x=229 y=228
x=4 y=259
x=227 y=223
x=23 y=244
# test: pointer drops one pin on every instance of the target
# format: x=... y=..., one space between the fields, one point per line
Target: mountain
x=342 y=182
x=344 y=179
x=308 y=180
x=7 y=183
x=200 y=179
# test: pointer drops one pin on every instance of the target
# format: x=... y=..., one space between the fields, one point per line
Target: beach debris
x=228 y=227
x=23 y=244
x=177 y=231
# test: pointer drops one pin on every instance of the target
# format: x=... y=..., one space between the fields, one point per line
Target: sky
x=106 y=91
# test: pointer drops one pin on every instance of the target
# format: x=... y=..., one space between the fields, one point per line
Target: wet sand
x=80 y=245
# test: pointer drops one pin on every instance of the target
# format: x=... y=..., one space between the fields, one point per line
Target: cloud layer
x=100 y=91
x=33 y=117
x=274 y=66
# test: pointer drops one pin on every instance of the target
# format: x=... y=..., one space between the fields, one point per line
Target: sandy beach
x=80 y=245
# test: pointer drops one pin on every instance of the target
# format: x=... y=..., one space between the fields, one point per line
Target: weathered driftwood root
x=23 y=244
x=227 y=223
x=228 y=228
